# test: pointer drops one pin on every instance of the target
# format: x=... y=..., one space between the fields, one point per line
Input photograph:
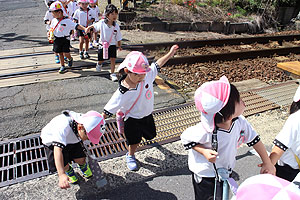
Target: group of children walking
x=86 y=24
x=212 y=143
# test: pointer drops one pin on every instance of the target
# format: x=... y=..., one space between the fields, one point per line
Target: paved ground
x=163 y=172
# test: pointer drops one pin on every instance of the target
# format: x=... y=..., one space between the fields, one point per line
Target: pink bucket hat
x=83 y=1
x=92 y=1
x=135 y=62
x=93 y=123
x=56 y=6
x=297 y=95
x=268 y=187
x=210 y=98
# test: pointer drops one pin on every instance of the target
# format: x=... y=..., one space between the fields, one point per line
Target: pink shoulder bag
x=120 y=116
x=105 y=46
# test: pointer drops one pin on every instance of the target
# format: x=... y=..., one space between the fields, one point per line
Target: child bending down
x=213 y=142
x=61 y=138
x=135 y=96
x=285 y=153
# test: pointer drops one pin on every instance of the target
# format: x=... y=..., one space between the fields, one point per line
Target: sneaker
x=96 y=44
x=86 y=55
x=113 y=77
x=86 y=170
x=98 y=67
x=73 y=38
x=62 y=70
x=65 y=59
x=70 y=62
x=81 y=55
x=72 y=176
x=131 y=162
x=57 y=59
x=91 y=46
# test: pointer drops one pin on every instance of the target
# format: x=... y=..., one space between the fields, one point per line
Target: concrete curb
x=219 y=27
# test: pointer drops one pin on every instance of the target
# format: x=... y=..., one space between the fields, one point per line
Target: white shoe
x=98 y=67
x=113 y=77
x=96 y=44
x=91 y=46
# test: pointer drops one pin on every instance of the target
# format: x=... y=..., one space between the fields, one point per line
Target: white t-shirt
x=64 y=27
x=48 y=17
x=96 y=12
x=58 y=130
x=106 y=32
x=124 y=98
x=288 y=140
x=81 y=16
x=227 y=145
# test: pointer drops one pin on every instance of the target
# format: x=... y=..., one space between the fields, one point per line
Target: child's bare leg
x=86 y=41
x=68 y=55
x=81 y=41
x=112 y=65
x=80 y=161
x=132 y=148
x=61 y=59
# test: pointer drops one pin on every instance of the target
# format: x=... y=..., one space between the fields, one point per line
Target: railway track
x=201 y=51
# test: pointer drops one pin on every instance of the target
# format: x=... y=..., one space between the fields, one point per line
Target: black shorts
x=112 y=52
x=80 y=33
x=286 y=172
x=205 y=189
x=135 y=129
x=61 y=45
x=70 y=152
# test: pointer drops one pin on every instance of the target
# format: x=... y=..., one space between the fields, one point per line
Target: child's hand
x=174 y=49
x=267 y=168
x=64 y=181
x=120 y=48
x=210 y=155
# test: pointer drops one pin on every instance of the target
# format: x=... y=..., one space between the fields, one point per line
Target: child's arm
x=59 y=163
x=119 y=45
x=166 y=57
x=266 y=166
x=209 y=154
x=276 y=154
x=82 y=28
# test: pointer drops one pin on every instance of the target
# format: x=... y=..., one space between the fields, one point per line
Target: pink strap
x=111 y=35
x=136 y=99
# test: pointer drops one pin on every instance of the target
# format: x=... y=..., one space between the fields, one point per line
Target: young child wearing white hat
x=61 y=138
x=135 y=98
x=286 y=150
x=213 y=142
x=95 y=9
x=61 y=27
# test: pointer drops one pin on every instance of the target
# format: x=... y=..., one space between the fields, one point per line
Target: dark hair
x=50 y=2
x=229 y=108
x=110 y=8
x=295 y=106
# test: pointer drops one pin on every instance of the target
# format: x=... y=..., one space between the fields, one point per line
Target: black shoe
x=81 y=55
x=86 y=55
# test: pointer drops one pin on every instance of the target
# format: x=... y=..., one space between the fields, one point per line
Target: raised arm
x=161 y=61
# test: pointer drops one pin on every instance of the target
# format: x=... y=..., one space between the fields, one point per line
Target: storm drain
x=24 y=158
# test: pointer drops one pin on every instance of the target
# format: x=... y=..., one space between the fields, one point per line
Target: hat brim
x=123 y=65
x=208 y=122
x=297 y=95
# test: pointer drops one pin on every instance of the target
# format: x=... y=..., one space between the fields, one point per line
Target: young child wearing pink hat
x=135 y=96
x=62 y=138
x=285 y=154
x=213 y=142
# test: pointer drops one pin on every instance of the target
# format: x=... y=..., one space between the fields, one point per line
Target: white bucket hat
x=297 y=95
x=93 y=123
x=56 y=6
x=210 y=98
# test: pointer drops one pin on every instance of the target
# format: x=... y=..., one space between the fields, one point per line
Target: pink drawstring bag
x=105 y=46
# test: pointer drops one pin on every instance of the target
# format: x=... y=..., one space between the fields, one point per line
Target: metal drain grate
x=22 y=159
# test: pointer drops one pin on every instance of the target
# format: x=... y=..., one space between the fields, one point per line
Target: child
x=72 y=7
x=137 y=81
x=221 y=107
x=109 y=32
x=84 y=17
x=95 y=9
x=62 y=27
x=287 y=143
x=48 y=19
x=61 y=138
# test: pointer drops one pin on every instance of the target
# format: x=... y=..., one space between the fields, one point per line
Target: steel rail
x=191 y=44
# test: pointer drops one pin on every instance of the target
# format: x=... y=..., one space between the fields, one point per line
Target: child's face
x=93 y=5
x=82 y=132
x=136 y=78
x=83 y=5
x=112 y=16
x=239 y=108
x=57 y=14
